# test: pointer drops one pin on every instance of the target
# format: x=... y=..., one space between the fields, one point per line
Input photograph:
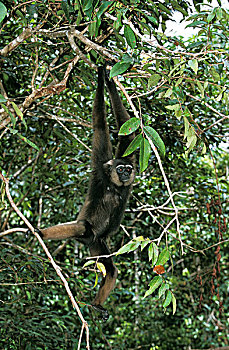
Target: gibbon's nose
x=125 y=175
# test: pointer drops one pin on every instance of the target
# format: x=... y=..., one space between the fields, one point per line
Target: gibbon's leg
x=121 y=116
x=101 y=148
x=77 y=229
x=99 y=247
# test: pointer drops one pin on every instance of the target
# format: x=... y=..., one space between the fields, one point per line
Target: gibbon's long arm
x=121 y=116
x=101 y=147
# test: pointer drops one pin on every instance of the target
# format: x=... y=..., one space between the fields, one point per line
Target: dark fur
x=107 y=196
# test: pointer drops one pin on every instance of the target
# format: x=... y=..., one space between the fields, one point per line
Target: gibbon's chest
x=107 y=209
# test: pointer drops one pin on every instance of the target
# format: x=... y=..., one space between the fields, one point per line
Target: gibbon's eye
x=120 y=169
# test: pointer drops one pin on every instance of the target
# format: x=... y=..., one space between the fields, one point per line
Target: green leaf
x=127 y=58
x=174 y=303
x=3 y=11
x=174 y=107
x=129 y=247
x=101 y=268
x=215 y=75
x=119 y=68
x=92 y=28
x=12 y=117
x=103 y=8
x=154 y=284
x=163 y=257
x=145 y=243
x=88 y=263
x=168 y=93
x=145 y=151
x=153 y=253
x=118 y=23
x=87 y=5
x=15 y=132
x=193 y=64
x=129 y=126
x=168 y=299
x=186 y=127
x=211 y=16
x=2 y=98
x=191 y=142
x=196 y=23
x=155 y=138
x=65 y=8
x=152 y=19
x=164 y=9
x=96 y=280
x=133 y=145
x=17 y=110
x=154 y=79
x=219 y=13
x=163 y=288
x=130 y=36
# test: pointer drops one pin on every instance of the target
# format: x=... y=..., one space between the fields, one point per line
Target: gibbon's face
x=121 y=173
x=124 y=172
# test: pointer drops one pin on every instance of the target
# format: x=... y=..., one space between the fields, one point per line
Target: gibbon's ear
x=108 y=165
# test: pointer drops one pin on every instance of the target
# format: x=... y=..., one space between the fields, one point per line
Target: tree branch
x=27 y=32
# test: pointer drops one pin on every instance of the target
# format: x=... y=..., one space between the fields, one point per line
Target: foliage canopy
x=171 y=292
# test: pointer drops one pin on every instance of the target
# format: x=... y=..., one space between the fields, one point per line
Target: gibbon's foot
x=104 y=313
x=28 y=232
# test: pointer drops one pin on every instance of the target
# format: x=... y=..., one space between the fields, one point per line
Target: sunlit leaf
x=88 y=263
x=3 y=11
x=174 y=107
x=101 y=268
x=129 y=247
x=163 y=257
x=96 y=279
x=174 y=303
x=154 y=79
x=210 y=16
x=145 y=243
x=193 y=64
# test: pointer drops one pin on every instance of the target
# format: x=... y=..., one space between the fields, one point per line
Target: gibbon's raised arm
x=109 y=189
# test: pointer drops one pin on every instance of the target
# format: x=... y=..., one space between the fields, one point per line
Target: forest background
x=171 y=291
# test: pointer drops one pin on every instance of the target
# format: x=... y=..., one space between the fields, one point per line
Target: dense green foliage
x=178 y=87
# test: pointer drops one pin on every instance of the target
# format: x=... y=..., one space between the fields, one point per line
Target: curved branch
x=27 y=32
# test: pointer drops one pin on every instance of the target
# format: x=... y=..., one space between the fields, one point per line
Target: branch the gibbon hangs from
x=109 y=188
